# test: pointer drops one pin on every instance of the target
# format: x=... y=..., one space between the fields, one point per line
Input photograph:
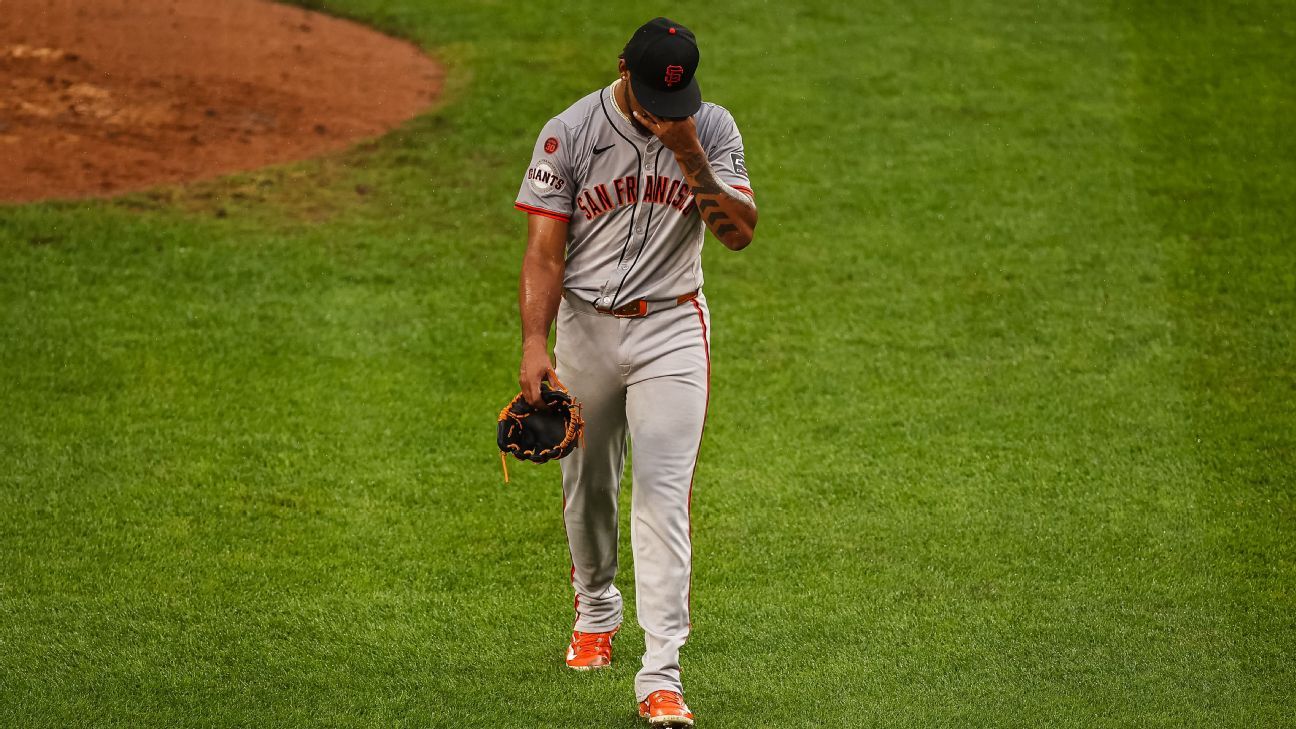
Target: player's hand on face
x=679 y=135
x=536 y=367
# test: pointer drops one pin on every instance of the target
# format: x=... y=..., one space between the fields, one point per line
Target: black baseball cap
x=662 y=57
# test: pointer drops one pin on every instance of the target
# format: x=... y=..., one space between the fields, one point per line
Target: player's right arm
x=539 y=289
x=546 y=196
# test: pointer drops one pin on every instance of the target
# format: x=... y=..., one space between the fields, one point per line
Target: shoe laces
x=591 y=641
x=664 y=696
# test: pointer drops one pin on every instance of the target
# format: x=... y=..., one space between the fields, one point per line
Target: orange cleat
x=590 y=650
x=665 y=708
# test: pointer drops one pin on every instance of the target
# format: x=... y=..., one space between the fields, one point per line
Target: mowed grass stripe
x=1217 y=172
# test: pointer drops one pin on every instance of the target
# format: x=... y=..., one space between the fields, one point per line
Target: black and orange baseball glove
x=539 y=435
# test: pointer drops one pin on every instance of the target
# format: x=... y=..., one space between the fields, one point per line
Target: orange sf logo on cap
x=674 y=74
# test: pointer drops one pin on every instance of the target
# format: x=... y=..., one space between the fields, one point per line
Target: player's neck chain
x=616 y=101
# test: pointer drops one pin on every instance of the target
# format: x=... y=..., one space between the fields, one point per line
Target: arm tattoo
x=709 y=192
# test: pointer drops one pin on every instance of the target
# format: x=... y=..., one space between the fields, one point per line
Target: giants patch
x=674 y=74
x=542 y=178
x=739 y=163
x=551 y=145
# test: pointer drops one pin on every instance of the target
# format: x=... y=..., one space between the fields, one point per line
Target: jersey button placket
x=639 y=228
x=636 y=243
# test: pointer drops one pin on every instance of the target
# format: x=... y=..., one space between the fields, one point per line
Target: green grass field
x=1003 y=427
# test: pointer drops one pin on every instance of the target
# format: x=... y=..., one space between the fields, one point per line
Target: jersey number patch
x=739 y=163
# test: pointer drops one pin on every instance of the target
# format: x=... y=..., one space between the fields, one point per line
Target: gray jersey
x=633 y=229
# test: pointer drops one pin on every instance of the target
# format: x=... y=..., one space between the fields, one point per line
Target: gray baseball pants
x=646 y=378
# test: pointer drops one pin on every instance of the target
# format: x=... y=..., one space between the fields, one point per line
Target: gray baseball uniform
x=634 y=243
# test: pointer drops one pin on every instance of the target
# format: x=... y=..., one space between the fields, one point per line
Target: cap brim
x=676 y=104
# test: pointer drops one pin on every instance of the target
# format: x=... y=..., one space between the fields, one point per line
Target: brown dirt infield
x=99 y=97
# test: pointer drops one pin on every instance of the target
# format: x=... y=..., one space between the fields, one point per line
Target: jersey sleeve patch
x=551 y=145
x=543 y=178
x=739 y=163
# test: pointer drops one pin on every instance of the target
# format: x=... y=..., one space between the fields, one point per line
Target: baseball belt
x=632 y=309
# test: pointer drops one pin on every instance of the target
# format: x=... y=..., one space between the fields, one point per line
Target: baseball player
x=618 y=191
